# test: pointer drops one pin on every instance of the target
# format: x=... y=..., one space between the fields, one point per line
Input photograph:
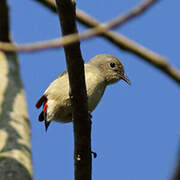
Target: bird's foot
x=94 y=154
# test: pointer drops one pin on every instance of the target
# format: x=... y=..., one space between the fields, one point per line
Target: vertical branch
x=4 y=22
x=15 y=148
x=75 y=66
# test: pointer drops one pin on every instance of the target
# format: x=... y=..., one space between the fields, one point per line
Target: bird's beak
x=126 y=79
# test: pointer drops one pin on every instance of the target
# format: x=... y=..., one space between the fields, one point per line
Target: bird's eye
x=112 y=65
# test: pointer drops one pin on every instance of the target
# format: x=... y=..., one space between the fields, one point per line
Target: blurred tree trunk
x=15 y=149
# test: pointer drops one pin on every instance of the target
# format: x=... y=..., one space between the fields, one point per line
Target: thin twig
x=101 y=28
x=132 y=14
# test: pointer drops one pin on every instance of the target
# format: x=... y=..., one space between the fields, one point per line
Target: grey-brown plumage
x=100 y=71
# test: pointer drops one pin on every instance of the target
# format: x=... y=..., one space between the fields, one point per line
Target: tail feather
x=47 y=123
x=43 y=115
x=41 y=101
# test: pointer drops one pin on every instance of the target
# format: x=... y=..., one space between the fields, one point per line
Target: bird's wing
x=62 y=74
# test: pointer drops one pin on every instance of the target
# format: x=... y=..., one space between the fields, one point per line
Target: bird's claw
x=94 y=154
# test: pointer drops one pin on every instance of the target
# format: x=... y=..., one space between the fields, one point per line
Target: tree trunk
x=15 y=149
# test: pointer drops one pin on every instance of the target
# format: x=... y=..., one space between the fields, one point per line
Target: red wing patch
x=45 y=106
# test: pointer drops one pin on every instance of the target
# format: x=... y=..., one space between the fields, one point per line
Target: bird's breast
x=95 y=90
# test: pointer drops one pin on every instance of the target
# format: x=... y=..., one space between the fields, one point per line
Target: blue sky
x=136 y=129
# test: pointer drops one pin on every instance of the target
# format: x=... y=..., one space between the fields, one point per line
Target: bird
x=101 y=71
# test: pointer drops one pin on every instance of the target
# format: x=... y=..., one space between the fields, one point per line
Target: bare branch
x=75 y=66
x=119 y=40
x=130 y=15
x=99 y=29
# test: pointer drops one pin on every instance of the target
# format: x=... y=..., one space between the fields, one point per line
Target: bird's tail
x=43 y=115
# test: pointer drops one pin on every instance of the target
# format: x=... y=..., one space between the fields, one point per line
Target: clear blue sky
x=136 y=129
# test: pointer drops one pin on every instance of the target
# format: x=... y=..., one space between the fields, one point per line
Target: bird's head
x=111 y=67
